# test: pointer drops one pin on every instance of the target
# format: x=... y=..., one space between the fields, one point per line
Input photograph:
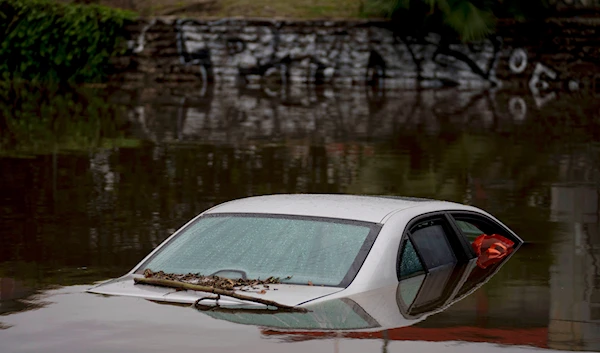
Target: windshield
x=299 y=250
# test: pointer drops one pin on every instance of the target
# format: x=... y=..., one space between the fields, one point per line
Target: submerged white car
x=327 y=251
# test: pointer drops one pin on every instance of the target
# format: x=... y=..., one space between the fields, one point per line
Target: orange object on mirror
x=490 y=249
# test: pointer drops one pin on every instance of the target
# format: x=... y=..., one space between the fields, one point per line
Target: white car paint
x=378 y=270
x=351 y=207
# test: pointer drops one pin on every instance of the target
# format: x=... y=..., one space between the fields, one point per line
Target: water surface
x=88 y=188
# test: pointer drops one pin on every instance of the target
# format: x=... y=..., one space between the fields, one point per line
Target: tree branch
x=228 y=293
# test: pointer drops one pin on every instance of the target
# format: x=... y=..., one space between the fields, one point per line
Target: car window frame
x=506 y=232
x=353 y=270
x=459 y=272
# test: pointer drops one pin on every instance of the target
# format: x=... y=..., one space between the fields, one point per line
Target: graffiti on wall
x=230 y=50
x=356 y=54
x=275 y=55
x=538 y=83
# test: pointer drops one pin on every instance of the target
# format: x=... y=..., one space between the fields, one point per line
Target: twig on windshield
x=228 y=293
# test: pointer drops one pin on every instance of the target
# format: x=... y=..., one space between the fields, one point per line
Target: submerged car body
x=335 y=253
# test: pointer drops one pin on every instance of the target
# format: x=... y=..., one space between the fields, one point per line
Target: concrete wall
x=546 y=57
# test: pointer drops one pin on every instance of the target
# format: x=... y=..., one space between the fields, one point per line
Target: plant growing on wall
x=42 y=40
x=470 y=20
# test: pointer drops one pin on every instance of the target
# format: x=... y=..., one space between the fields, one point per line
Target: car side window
x=426 y=246
x=473 y=226
x=432 y=243
x=410 y=264
x=470 y=230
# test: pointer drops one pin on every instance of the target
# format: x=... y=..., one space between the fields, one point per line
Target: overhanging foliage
x=470 y=20
x=43 y=40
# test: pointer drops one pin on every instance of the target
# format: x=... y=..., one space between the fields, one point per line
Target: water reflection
x=15 y=296
x=365 y=314
x=575 y=275
x=236 y=115
x=77 y=210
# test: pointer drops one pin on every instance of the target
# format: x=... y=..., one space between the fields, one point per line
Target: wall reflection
x=237 y=114
x=575 y=273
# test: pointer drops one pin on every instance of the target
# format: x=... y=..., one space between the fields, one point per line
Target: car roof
x=351 y=207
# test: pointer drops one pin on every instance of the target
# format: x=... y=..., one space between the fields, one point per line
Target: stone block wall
x=557 y=54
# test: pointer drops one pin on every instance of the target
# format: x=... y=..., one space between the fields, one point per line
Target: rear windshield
x=298 y=250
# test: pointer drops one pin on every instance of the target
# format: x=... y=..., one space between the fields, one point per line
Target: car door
x=436 y=263
x=432 y=260
x=430 y=242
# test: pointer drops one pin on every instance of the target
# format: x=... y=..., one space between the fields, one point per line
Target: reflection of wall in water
x=235 y=115
x=575 y=275
x=12 y=289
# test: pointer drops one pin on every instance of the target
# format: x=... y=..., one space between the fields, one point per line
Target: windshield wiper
x=241 y=272
x=240 y=308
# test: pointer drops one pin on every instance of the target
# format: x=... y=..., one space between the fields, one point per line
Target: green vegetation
x=470 y=20
x=38 y=119
x=294 y=9
x=298 y=9
x=46 y=41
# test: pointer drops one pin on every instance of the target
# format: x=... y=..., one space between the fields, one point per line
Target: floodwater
x=92 y=181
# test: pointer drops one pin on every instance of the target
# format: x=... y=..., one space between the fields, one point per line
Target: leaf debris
x=216 y=281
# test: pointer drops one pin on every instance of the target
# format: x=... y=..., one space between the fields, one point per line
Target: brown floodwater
x=92 y=181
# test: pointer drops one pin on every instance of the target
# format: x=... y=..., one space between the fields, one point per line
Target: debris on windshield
x=214 y=284
x=242 y=284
